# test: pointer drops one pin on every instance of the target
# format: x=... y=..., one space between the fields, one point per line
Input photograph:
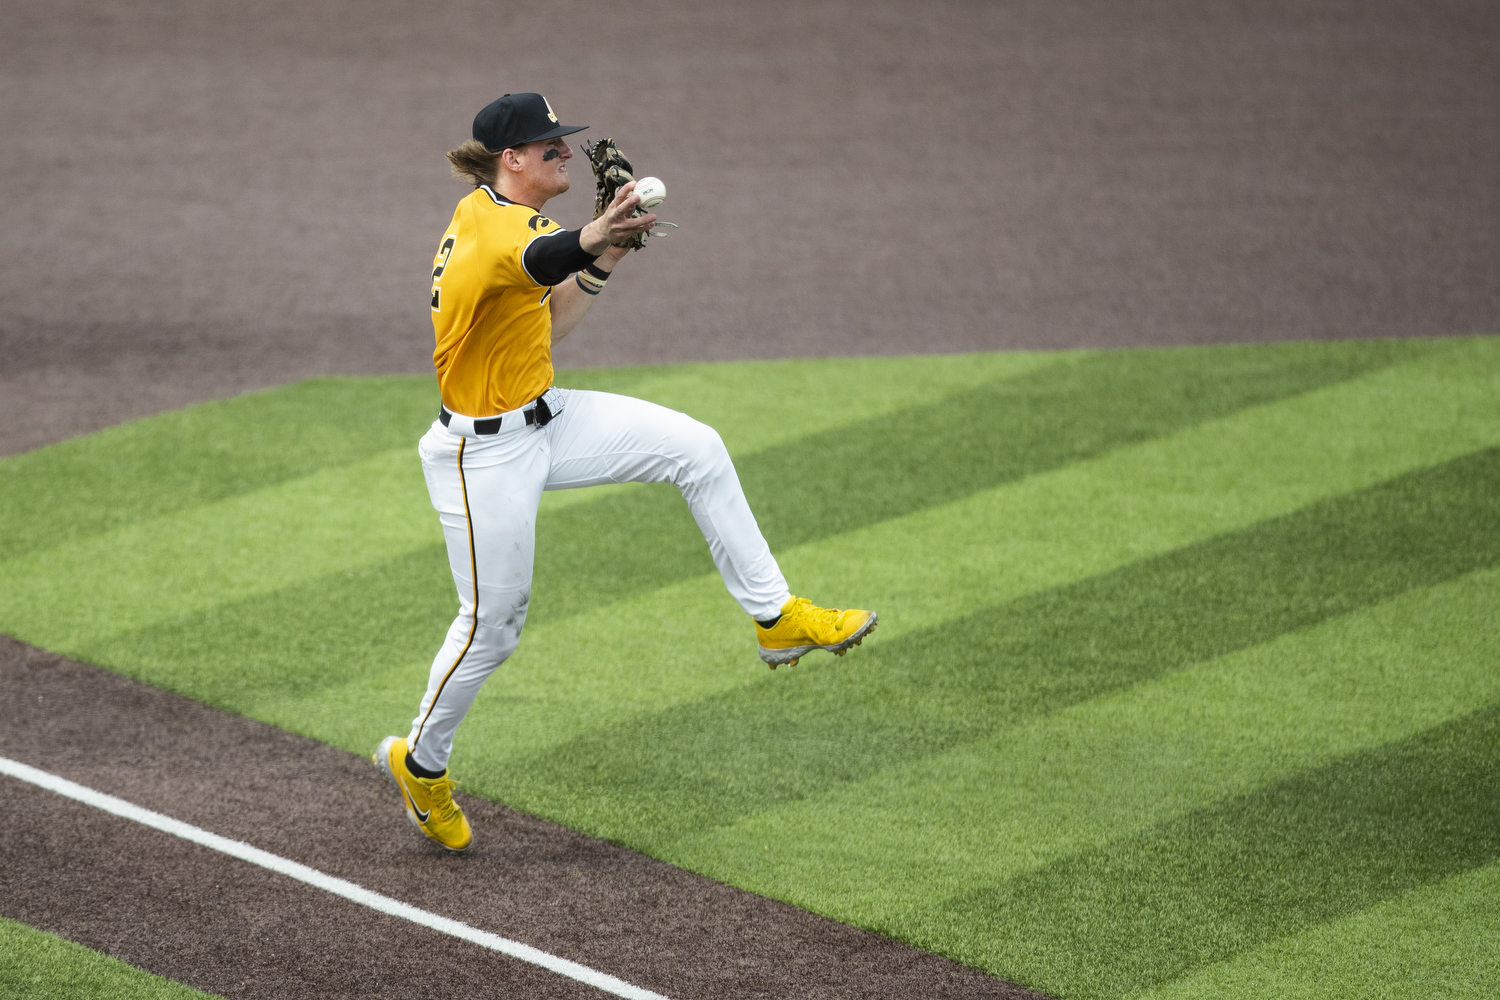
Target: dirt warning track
x=197 y=199
x=225 y=926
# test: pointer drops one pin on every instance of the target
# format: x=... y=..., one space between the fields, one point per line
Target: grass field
x=38 y=966
x=1187 y=682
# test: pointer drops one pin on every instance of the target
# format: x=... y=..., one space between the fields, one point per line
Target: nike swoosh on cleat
x=421 y=816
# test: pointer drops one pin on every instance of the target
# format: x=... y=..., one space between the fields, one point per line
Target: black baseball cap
x=516 y=119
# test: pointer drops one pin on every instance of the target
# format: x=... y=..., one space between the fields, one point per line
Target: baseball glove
x=612 y=171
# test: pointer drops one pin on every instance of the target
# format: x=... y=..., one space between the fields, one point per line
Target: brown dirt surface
x=224 y=926
x=197 y=199
x=201 y=199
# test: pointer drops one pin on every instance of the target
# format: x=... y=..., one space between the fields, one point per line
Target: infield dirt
x=201 y=200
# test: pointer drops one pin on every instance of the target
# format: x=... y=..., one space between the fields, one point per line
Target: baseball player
x=506 y=282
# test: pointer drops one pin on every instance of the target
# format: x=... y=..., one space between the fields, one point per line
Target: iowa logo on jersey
x=550 y=113
x=537 y=222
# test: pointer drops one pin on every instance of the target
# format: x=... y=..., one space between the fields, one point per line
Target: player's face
x=547 y=166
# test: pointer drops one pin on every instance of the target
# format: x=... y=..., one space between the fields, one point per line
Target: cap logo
x=550 y=113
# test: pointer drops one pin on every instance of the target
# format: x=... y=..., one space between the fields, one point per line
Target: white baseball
x=652 y=192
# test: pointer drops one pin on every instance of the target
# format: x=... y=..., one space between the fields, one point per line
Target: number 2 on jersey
x=440 y=263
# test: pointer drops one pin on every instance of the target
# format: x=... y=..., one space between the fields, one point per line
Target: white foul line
x=313 y=877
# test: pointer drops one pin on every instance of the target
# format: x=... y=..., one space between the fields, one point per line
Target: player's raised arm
x=616 y=225
x=572 y=298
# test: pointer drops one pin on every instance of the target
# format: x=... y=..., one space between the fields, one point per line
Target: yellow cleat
x=429 y=801
x=805 y=627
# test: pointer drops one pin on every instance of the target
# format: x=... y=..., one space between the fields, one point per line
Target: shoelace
x=443 y=806
x=806 y=609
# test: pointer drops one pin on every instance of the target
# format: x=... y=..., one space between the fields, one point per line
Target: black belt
x=540 y=414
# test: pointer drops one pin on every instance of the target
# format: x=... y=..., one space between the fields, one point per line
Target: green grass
x=714 y=761
x=1186 y=670
x=1437 y=941
x=39 y=966
x=1307 y=850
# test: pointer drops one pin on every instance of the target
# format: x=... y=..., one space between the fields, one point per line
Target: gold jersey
x=492 y=320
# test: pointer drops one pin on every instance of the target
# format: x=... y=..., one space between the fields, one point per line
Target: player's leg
x=604 y=438
x=485 y=490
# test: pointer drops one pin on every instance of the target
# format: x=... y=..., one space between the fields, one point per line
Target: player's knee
x=704 y=454
x=504 y=611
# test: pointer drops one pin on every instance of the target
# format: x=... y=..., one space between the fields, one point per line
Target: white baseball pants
x=486 y=489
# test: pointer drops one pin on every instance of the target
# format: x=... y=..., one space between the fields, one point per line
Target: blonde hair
x=473 y=163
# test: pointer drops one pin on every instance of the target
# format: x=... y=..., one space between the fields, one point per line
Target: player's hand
x=617 y=224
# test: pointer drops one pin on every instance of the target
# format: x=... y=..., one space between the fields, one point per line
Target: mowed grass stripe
x=688 y=641
x=695 y=766
x=887 y=852
x=70 y=595
x=347 y=515
x=1436 y=941
x=296 y=643
x=35 y=965
x=890 y=465
x=1327 y=843
x=174 y=462
x=1141 y=500
x=154 y=467
x=756 y=405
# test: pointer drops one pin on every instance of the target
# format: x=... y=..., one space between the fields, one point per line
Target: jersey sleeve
x=531 y=250
x=551 y=257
